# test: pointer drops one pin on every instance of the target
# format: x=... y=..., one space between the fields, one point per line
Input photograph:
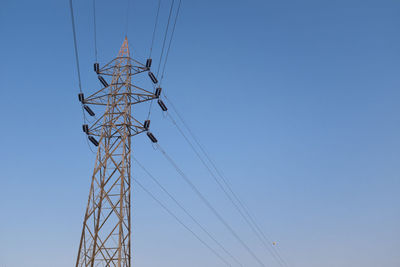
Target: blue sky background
x=297 y=102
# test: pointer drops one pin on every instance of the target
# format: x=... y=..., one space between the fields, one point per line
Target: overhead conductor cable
x=182 y=223
x=249 y=218
x=187 y=212
x=162 y=50
x=95 y=29
x=155 y=28
x=273 y=253
x=208 y=204
x=170 y=41
x=71 y=8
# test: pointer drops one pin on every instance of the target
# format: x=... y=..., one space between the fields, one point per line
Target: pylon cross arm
x=135 y=66
x=100 y=98
x=134 y=127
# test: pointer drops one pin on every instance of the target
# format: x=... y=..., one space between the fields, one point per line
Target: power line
x=248 y=218
x=187 y=212
x=95 y=29
x=246 y=210
x=182 y=223
x=162 y=50
x=155 y=28
x=266 y=240
x=71 y=8
x=255 y=231
x=165 y=36
x=208 y=204
x=75 y=44
x=170 y=41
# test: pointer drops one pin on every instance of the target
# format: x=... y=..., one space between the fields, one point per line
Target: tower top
x=124 y=50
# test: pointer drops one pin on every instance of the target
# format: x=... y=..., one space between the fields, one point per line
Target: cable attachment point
x=81 y=97
x=158 y=92
x=152 y=77
x=96 y=67
x=162 y=105
x=152 y=138
x=102 y=80
x=85 y=128
x=93 y=140
x=148 y=63
x=146 y=125
x=89 y=110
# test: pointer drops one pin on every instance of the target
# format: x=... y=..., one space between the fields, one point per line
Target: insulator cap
x=89 y=110
x=158 y=92
x=146 y=124
x=148 y=63
x=102 y=80
x=152 y=77
x=152 y=138
x=96 y=67
x=85 y=128
x=93 y=140
x=81 y=97
x=162 y=105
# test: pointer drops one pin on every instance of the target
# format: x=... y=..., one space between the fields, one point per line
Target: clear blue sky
x=297 y=101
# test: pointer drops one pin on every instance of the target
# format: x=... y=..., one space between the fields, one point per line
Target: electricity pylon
x=106 y=233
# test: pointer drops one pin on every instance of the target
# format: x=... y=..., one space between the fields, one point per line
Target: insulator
x=162 y=105
x=146 y=124
x=85 y=128
x=148 y=63
x=104 y=82
x=89 y=110
x=152 y=138
x=158 y=92
x=96 y=67
x=81 y=97
x=93 y=140
x=152 y=77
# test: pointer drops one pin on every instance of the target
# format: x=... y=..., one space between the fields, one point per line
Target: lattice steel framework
x=106 y=233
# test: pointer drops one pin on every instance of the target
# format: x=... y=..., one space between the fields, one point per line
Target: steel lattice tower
x=106 y=233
